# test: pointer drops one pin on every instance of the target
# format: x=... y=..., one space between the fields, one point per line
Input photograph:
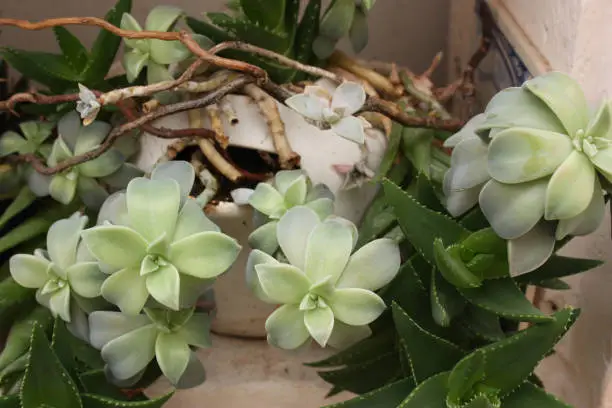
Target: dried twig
x=208 y=180
x=394 y=112
x=349 y=76
x=237 y=45
x=267 y=105
x=378 y=81
x=212 y=97
x=182 y=36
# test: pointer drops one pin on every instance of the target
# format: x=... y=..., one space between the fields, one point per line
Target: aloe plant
x=535 y=160
x=64 y=372
x=274 y=25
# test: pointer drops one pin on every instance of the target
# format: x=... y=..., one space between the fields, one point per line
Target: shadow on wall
x=409 y=32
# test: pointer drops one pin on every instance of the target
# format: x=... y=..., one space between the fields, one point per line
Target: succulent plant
x=535 y=160
x=326 y=291
x=276 y=27
x=30 y=141
x=335 y=111
x=82 y=180
x=156 y=241
x=155 y=54
x=343 y=17
x=271 y=201
x=130 y=342
x=64 y=275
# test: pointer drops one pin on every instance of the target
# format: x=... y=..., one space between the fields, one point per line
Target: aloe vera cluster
x=451 y=337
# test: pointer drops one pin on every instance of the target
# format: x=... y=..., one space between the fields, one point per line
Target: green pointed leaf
x=474 y=220
x=337 y=20
x=504 y=298
x=10 y=401
x=485 y=241
x=483 y=323
x=18 y=340
x=50 y=70
x=528 y=395
x=390 y=395
x=417 y=147
x=46 y=382
x=95 y=382
x=367 y=375
x=554 y=284
x=463 y=378
x=421 y=225
x=429 y=354
x=484 y=401
x=97 y=401
x=426 y=194
x=393 y=146
x=61 y=345
x=307 y=32
x=13 y=297
x=106 y=45
x=365 y=350
x=208 y=30
x=452 y=267
x=429 y=394
x=74 y=52
x=509 y=362
x=257 y=35
x=558 y=266
x=446 y=302
x=19 y=203
x=267 y=13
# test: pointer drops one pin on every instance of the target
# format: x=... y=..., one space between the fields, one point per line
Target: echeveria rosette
x=155 y=54
x=533 y=160
x=336 y=111
x=64 y=275
x=128 y=343
x=30 y=141
x=325 y=290
x=161 y=244
x=84 y=179
x=271 y=201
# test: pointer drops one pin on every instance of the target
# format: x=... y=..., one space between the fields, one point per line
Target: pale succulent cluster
x=152 y=250
x=271 y=201
x=30 y=141
x=334 y=110
x=90 y=180
x=325 y=291
x=535 y=161
x=155 y=54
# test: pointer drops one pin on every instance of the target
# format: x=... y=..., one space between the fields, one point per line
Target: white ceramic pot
x=238 y=311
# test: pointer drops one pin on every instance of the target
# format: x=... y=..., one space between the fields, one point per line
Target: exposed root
x=267 y=105
x=378 y=121
x=349 y=76
x=216 y=125
x=378 y=81
x=208 y=180
x=228 y=111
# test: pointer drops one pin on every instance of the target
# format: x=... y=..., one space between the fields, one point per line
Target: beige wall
x=407 y=31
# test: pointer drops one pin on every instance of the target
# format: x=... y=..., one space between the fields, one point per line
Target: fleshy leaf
x=513 y=209
x=264 y=238
x=129 y=354
x=421 y=225
x=126 y=289
x=286 y=328
x=86 y=279
x=504 y=298
x=172 y=355
x=293 y=231
x=204 y=255
x=469 y=165
x=356 y=306
x=282 y=283
x=531 y=250
x=372 y=266
x=267 y=200
x=464 y=376
x=28 y=270
x=106 y=326
x=429 y=354
x=452 y=267
x=320 y=323
x=164 y=285
x=517 y=155
x=180 y=171
x=431 y=393
x=46 y=379
x=115 y=245
x=257 y=257
x=328 y=250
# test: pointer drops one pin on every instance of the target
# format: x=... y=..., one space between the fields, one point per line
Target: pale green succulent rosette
x=157 y=242
x=325 y=291
x=534 y=161
x=128 y=343
x=30 y=141
x=271 y=201
x=154 y=54
x=64 y=275
x=84 y=179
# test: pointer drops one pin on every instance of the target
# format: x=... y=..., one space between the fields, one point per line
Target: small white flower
x=87 y=105
x=334 y=110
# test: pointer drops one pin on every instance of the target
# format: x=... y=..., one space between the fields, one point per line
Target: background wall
x=410 y=32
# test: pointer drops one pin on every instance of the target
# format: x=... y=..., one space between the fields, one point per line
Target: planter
x=239 y=313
